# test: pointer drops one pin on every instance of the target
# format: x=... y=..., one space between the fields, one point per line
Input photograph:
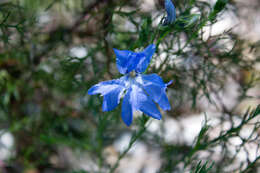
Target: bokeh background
x=53 y=51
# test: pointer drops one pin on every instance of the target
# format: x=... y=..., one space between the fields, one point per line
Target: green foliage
x=218 y=7
x=44 y=77
x=202 y=168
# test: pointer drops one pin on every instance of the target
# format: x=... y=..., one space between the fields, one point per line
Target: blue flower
x=171 y=13
x=139 y=91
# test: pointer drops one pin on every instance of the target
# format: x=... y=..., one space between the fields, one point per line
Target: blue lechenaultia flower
x=139 y=91
x=171 y=13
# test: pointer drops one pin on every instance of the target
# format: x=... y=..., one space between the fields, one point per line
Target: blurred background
x=53 y=51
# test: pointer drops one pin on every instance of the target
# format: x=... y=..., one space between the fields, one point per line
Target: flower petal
x=127 y=111
x=105 y=87
x=145 y=58
x=141 y=101
x=133 y=60
x=112 y=99
x=171 y=13
x=122 y=59
x=156 y=89
x=111 y=90
x=126 y=60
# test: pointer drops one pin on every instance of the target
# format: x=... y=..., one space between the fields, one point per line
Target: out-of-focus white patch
x=129 y=26
x=147 y=5
x=160 y=59
x=6 y=144
x=172 y=131
x=153 y=162
x=122 y=143
x=195 y=10
x=125 y=25
x=249 y=20
x=154 y=127
x=140 y=157
x=191 y=127
x=225 y=22
x=157 y=18
x=46 y=68
x=78 y=77
x=44 y=18
x=77 y=159
x=190 y=62
x=79 y=52
x=228 y=97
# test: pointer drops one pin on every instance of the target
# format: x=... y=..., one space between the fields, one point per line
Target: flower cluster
x=140 y=92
